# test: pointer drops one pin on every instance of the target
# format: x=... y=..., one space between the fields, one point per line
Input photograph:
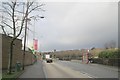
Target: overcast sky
x=76 y=25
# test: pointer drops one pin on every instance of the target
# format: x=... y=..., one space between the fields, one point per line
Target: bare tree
x=106 y=46
x=14 y=16
x=110 y=44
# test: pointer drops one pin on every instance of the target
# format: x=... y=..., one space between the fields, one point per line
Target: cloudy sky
x=76 y=25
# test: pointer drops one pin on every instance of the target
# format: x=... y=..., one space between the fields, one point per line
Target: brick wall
x=6 y=50
x=17 y=52
x=29 y=58
x=38 y=55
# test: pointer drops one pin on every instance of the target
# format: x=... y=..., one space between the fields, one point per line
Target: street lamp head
x=42 y=17
x=28 y=19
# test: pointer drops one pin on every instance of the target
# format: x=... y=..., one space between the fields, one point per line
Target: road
x=92 y=70
x=55 y=70
x=68 y=69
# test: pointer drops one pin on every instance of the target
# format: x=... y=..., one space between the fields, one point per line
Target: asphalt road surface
x=68 y=69
x=55 y=70
x=92 y=70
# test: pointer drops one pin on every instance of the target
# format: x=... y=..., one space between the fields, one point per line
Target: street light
x=35 y=18
x=27 y=19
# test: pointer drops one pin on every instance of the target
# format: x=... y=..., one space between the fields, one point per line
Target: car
x=49 y=60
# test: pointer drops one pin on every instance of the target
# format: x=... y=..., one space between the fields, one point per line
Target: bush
x=109 y=54
x=111 y=62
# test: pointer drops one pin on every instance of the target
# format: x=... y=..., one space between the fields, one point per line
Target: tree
x=110 y=44
x=14 y=16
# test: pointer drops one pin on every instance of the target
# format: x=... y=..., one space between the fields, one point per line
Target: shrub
x=109 y=54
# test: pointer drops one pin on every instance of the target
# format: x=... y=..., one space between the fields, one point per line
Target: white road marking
x=54 y=70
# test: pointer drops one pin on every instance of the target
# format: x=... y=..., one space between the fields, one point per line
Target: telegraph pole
x=25 y=36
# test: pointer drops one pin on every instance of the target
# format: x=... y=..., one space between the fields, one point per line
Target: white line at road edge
x=90 y=76
x=82 y=72
x=46 y=76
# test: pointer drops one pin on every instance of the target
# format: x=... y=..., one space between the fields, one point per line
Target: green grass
x=12 y=76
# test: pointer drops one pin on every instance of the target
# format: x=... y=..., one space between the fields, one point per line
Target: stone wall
x=17 y=52
x=29 y=58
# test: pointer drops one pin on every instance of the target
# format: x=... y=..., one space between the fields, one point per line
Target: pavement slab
x=34 y=71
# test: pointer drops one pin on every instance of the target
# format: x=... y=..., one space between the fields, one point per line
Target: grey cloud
x=77 y=25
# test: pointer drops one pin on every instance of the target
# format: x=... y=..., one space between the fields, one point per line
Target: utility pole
x=25 y=35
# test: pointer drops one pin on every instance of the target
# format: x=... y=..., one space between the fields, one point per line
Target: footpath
x=33 y=71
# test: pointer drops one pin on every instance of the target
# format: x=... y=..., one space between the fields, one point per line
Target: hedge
x=111 y=62
x=109 y=54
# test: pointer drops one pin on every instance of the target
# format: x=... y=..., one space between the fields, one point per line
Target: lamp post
x=25 y=36
x=26 y=20
x=34 y=39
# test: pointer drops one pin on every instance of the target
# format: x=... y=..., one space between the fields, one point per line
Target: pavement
x=34 y=71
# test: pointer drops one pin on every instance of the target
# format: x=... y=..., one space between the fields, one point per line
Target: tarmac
x=34 y=71
x=37 y=71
